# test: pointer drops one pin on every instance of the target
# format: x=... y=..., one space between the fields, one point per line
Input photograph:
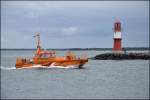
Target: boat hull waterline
x=60 y=64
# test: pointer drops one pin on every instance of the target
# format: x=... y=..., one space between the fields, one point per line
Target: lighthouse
x=117 y=36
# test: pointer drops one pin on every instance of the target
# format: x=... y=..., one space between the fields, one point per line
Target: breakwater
x=120 y=56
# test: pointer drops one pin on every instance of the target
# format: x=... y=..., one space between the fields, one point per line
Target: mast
x=38 y=40
x=37 y=36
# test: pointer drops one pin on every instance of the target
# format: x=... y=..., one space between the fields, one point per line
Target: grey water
x=99 y=79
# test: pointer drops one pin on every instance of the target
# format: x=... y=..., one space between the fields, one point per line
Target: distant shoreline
x=78 y=49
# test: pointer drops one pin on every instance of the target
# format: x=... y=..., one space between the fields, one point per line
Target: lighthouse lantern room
x=117 y=36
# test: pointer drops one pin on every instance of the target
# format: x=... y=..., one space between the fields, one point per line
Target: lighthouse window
x=115 y=26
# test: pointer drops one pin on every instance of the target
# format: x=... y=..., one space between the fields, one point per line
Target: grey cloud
x=93 y=20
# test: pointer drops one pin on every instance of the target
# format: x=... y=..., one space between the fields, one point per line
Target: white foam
x=39 y=66
x=65 y=67
x=7 y=68
x=34 y=66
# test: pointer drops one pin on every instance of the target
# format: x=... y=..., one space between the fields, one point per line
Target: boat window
x=44 y=56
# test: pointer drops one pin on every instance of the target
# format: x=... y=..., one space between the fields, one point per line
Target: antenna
x=37 y=36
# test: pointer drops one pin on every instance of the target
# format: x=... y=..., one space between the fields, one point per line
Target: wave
x=52 y=66
x=39 y=66
x=7 y=68
x=70 y=66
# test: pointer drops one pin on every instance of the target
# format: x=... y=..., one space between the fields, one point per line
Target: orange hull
x=48 y=62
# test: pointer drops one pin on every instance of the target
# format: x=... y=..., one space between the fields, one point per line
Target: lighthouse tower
x=117 y=36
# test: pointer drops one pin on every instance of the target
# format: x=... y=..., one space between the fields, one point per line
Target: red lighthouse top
x=117 y=25
x=117 y=20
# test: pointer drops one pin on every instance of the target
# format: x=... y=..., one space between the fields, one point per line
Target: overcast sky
x=73 y=24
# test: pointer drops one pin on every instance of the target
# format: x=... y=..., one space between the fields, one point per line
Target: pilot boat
x=45 y=59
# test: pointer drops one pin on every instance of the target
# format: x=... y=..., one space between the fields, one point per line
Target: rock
x=119 y=56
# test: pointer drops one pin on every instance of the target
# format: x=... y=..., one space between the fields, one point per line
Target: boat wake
x=7 y=68
x=39 y=66
x=67 y=67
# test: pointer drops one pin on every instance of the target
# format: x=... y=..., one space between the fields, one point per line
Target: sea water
x=99 y=79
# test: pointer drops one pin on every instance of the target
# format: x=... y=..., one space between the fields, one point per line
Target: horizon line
x=75 y=48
